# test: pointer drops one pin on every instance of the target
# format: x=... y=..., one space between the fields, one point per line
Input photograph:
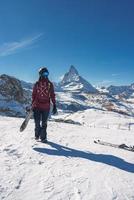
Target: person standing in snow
x=42 y=95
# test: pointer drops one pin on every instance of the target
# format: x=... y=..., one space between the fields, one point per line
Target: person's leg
x=43 y=133
x=37 y=119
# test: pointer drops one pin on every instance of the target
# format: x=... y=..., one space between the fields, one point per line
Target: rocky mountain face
x=72 y=81
x=12 y=96
x=71 y=76
x=11 y=89
x=27 y=86
x=125 y=91
x=132 y=86
x=72 y=92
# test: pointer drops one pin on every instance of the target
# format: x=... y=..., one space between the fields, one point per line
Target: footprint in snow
x=12 y=152
x=19 y=184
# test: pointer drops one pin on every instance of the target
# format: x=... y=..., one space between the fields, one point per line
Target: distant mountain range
x=73 y=94
x=126 y=91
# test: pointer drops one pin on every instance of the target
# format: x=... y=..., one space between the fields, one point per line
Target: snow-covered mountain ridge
x=125 y=91
x=72 y=81
x=13 y=97
x=73 y=94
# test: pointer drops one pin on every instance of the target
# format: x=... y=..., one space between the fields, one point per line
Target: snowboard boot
x=44 y=141
x=37 y=138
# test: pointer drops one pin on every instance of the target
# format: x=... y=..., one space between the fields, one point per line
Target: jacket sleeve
x=34 y=94
x=52 y=94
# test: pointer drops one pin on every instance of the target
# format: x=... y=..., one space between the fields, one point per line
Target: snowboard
x=120 y=146
x=26 y=120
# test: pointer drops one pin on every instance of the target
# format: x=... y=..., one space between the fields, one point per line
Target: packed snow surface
x=70 y=166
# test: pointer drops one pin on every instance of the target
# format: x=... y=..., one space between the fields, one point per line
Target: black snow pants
x=40 y=119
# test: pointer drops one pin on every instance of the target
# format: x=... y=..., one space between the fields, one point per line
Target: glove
x=28 y=109
x=54 y=111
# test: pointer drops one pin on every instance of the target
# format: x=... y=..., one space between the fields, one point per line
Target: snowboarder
x=43 y=93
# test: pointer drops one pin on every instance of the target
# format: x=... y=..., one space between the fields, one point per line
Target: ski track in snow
x=69 y=167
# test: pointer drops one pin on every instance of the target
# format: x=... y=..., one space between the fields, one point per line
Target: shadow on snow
x=111 y=160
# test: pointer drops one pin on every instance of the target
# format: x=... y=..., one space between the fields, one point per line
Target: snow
x=2 y=97
x=73 y=82
x=67 y=97
x=73 y=87
x=70 y=166
x=12 y=107
x=2 y=82
x=102 y=119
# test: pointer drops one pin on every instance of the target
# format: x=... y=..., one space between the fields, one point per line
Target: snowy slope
x=126 y=90
x=71 y=102
x=27 y=86
x=69 y=167
x=102 y=119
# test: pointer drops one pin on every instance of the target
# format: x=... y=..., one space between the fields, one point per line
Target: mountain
x=72 y=95
x=27 y=86
x=71 y=92
x=125 y=91
x=13 y=97
x=132 y=86
x=72 y=81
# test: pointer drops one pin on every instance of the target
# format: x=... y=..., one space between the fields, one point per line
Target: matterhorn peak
x=73 y=70
x=71 y=75
x=72 y=81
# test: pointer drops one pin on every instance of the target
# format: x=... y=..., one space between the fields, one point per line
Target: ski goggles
x=45 y=73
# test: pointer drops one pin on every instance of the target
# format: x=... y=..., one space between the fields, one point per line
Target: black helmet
x=43 y=71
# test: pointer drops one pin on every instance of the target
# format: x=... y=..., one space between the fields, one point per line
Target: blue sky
x=96 y=36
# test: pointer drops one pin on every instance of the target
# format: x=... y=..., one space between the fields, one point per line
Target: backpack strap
x=49 y=87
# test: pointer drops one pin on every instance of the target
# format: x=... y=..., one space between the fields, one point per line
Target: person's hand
x=54 y=109
x=28 y=109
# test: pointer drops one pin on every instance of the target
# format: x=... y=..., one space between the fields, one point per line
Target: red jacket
x=43 y=93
